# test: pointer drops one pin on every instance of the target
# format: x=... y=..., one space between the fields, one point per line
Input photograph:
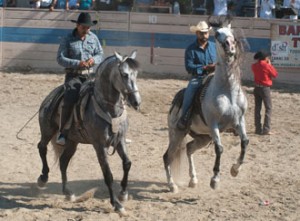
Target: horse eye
x=125 y=75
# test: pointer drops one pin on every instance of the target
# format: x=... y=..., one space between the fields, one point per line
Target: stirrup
x=61 y=140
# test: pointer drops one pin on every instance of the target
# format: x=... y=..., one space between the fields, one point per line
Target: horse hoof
x=71 y=198
x=174 y=188
x=214 y=183
x=235 y=169
x=122 y=212
x=41 y=184
x=193 y=183
x=123 y=196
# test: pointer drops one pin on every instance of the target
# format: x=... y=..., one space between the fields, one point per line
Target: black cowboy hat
x=261 y=55
x=85 y=19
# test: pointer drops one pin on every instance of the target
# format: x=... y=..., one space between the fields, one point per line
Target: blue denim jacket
x=72 y=50
x=196 y=58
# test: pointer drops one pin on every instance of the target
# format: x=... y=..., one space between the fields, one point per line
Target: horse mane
x=219 y=21
x=242 y=44
x=132 y=63
x=242 y=47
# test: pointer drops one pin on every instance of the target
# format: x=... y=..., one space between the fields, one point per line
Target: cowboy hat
x=202 y=26
x=85 y=19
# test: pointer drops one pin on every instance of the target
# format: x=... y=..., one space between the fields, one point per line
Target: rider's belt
x=259 y=85
x=78 y=71
x=204 y=73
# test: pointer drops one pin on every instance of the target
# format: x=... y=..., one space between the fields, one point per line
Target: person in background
x=10 y=3
x=200 y=60
x=58 y=4
x=231 y=10
x=72 y=4
x=295 y=5
x=48 y=4
x=78 y=53
x=266 y=9
x=263 y=72
x=220 y=7
x=86 y=4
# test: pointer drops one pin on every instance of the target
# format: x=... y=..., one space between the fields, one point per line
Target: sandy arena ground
x=271 y=171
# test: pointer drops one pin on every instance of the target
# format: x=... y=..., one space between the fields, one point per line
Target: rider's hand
x=83 y=64
x=210 y=68
x=90 y=62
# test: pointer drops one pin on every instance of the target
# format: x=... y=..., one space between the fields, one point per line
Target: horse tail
x=177 y=101
x=177 y=145
x=179 y=163
x=57 y=149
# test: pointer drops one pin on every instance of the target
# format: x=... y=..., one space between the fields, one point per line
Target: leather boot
x=183 y=122
x=66 y=112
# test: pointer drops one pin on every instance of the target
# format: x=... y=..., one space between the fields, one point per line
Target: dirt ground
x=270 y=173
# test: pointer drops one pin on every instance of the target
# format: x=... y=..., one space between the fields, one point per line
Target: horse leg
x=108 y=178
x=42 y=146
x=69 y=151
x=218 y=150
x=199 y=142
x=121 y=149
x=244 y=143
x=43 y=178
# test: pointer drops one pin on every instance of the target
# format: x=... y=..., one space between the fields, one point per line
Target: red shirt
x=263 y=73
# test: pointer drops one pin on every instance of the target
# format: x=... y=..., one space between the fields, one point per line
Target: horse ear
x=229 y=19
x=133 y=54
x=118 y=56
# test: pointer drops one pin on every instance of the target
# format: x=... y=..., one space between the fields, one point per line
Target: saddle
x=55 y=102
x=85 y=96
x=196 y=104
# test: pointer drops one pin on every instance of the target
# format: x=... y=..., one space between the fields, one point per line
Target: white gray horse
x=100 y=120
x=223 y=107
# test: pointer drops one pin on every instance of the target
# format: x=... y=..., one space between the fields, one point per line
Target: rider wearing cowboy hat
x=78 y=53
x=200 y=59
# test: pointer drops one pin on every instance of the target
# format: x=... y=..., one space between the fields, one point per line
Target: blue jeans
x=189 y=93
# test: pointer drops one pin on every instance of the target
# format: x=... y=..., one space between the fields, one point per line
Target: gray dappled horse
x=100 y=120
x=223 y=107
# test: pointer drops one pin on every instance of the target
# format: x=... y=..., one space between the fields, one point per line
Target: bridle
x=126 y=92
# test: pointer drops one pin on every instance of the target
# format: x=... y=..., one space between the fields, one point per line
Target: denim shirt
x=196 y=58
x=72 y=50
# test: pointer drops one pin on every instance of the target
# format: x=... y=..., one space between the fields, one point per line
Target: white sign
x=285 y=45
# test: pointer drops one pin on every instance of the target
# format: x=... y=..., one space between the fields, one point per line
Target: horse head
x=225 y=38
x=126 y=80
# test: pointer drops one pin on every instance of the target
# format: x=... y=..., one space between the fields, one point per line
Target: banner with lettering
x=285 y=45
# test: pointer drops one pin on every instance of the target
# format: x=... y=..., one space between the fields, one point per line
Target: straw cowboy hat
x=85 y=19
x=202 y=26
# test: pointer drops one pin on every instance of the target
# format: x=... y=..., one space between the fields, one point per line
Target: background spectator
x=42 y=4
x=231 y=10
x=263 y=72
x=10 y=3
x=220 y=7
x=295 y=5
x=86 y=4
x=71 y=4
x=266 y=9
